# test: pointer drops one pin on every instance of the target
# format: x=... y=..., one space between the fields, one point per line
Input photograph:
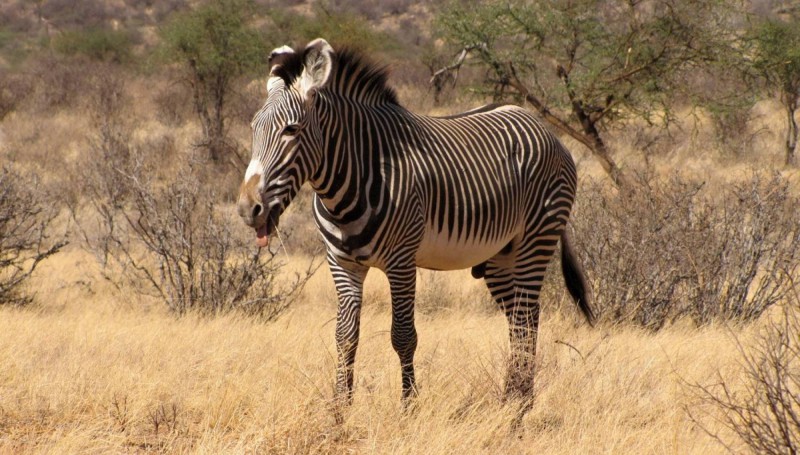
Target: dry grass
x=82 y=375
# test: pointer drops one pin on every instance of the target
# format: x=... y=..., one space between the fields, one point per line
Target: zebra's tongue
x=262 y=239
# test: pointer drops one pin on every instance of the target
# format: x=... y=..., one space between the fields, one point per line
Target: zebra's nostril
x=257 y=210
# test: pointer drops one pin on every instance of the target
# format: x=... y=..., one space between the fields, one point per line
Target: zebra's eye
x=291 y=129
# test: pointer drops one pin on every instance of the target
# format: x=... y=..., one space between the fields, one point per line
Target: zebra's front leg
x=349 y=281
x=402 y=281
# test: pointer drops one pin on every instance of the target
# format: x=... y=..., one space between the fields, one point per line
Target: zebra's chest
x=355 y=239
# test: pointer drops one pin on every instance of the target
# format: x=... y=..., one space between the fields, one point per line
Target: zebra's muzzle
x=268 y=228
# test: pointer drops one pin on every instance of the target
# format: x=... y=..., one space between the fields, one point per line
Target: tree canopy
x=776 y=59
x=214 y=44
x=584 y=64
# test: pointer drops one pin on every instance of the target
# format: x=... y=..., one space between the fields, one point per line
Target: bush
x=174 y=242
x=152 y=10
x=13 y=46
x=96 y=43
x=341 y=29
x=763 y=411
x=372 y=10
x=159 y=229
x=25 y=233
x=731 y=130
x=57 y=82
x=64 y=14
x=172 y=105
x=665 y=248
x=14 y=88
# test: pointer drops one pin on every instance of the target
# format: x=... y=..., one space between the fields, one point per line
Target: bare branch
x=451 y=71
x=24 y=239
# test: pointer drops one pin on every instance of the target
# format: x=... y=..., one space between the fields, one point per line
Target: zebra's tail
x=575 y=278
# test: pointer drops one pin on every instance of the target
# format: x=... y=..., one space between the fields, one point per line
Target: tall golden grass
x=83 y=373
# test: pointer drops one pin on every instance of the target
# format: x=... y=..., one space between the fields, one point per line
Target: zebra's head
x=286 y=136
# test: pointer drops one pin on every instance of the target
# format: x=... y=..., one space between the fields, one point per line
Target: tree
x=214 y=45
x=585 y=64
x=776 y=60
x=342 y=28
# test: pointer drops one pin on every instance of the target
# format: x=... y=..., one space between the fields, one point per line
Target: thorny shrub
x=57 y=82
x=26 y=233
x=172 y=105
x=161 y=231
x=95 y=43
x=371 y=9
x=14 y=88
x=172 y=241
x=763 y=410
x=663 y=248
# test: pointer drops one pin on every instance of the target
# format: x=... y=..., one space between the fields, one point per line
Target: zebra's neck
x=356 y=160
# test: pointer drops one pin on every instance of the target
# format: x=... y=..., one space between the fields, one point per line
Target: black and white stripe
x=490 y=189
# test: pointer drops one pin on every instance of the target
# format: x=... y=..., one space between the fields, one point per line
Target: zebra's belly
x=438 y=252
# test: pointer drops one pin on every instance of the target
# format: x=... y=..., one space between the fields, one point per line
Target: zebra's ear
x=277 y=59
x=278 y=52
x=317 y=63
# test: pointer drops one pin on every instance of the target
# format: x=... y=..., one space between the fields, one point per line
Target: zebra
x=489 y=189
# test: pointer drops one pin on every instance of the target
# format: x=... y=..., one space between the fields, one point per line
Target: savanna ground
x=92 y=365
x=92 y=370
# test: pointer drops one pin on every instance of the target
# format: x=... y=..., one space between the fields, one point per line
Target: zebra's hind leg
x=515 y=281
x=402 y=281
x=349 y=281
x=522 y=312
x=533 y=256
x=523 y=322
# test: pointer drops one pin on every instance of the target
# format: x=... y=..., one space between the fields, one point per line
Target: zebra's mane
x=353 y=76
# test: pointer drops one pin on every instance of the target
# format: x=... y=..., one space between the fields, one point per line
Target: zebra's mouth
x=262 y=237
x=268 y=228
